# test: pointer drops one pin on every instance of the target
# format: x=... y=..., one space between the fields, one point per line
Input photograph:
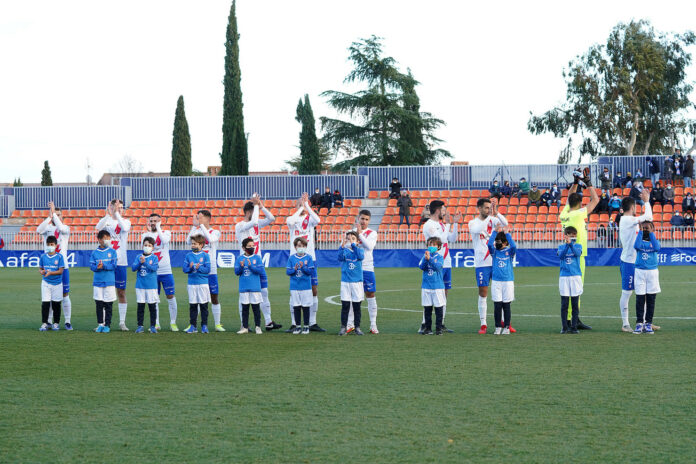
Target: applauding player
x=165 y=279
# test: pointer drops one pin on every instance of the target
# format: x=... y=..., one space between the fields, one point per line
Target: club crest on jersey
x=200 y=259
x=55 y=262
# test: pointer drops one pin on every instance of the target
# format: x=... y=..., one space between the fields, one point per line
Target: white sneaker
x=123 y=327
x=498 y=331
x=373 y=330
x=627 y=328
x=243 y=331
x=56 y=326
x=506 y=331
x=258 y=330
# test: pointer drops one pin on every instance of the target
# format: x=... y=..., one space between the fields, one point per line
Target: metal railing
x=6 y=205
x=632 y=164
x=78 y=197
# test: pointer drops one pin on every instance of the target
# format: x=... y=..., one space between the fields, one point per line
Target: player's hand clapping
x=427 y=255
x=100 y=265
x=142 y=259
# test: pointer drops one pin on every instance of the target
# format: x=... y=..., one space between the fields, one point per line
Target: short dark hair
x=51 y=239
x=301 y=240
x=248 y=206
x=247 y=240
x=570 y=230
x=354 y=234
x=103 y=233
x=205 y=213
x=627 y=203
x=116 y=200
x=435 y=205
x=365 y=212
x=574 y=199
x=501 y=236
x=435 y=240
x=198 y=238
x=149 y=240
x=482 y=201
x=155 y=215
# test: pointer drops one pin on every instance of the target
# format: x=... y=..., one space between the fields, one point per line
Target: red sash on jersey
x=445 y=245
x=158 y=242
x=489 y=229
x=115 y=243
x=305 y=223
x=257 y=243
x=56 y=233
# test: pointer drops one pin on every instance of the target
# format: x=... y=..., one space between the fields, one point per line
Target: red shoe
x=350 y=329
x=512 y=330
x=483 y=328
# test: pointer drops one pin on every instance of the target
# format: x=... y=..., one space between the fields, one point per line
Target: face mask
x=194 y=249
x=432 y=249
x=147 y=250
x=669 y=187
x=249 y=251
x=51 y=248
x=301 y=250
x=646 y=235
x=498 y=245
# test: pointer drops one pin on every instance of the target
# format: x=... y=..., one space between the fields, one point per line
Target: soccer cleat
x=55 y=326
x=513 y=330
x=106 y=329
x=272 y=326
x=316 y=328
x=449 y=331
x=219 y=328
x=68 y=326
x=343 y=331
x=204 y=329
x=648 y=329
x=174 y=327
x=582 y=326
x=373 y=330
x=427 y=332
x=358 y=331
x=243 y=331
x=639 y=329
x=191 y=329
x=438 y=332
x=157 y=327
x=153 y=329
x=99 y=328
x=122 y=326
x=656 y=327
x=43 y=328
x=297 y=331
x=506 y=331
x=291 y=329
x=626 y=328
x=305 y=331
x=483 y=328
x=258 y=330
x=140 y=329
x=422 y=329
x=349 y=329
x=498 y=331
x=574 y=331
x=564 y=330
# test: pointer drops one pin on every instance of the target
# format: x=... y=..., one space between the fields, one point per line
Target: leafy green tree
x=309 y=161
x=46 y=180
x=234 y=156
x=181 y=143
x=387 y=127
x=627 y=96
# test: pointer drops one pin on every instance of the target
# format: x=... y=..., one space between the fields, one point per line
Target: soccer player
x=481 y=228
x=118 y=228
x=201 y=226
x=197 y=265
x=53 y=226
x=165 y=279
x=103 y=263
x=629 y=227
x=51 y=267
x=573 y=214
x=251 y=227
x=350 y=255
x=301 y=225
x=503 y=249
x=146 y=284
x=249 y=268
x=647 y=278
x=570 y=279
x=446 y=232
x=300 y=268
x=367 y=240
x=432 y=286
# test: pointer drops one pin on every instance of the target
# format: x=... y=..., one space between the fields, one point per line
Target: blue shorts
x=66 y=281
x=369 y=282
x=628 y=270
x=483 y=276
x=213 y=284
x=447 y=277
x=315 y=277
x=121 y=275
x=166 y=282
x=264 y=279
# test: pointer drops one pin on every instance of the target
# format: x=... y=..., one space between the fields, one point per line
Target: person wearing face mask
x=165 y=279
x=103 y=263
x=351 y=256
x=249 y=268
x=668 y=195
x=197 y=265
x=555 y=194
x=570 y=280
x=494 y=190
x=146 y=265
x=51 y=268
x=300 y=269
x=315 y=199
x=677 y=221
x=689 y=204
x=503 y=249
x=657 y=194
x=688 y=220
x=432 y=287
x=647 y=278
x=506 y=190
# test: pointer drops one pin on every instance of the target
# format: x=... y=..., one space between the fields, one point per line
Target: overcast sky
x=99 y=80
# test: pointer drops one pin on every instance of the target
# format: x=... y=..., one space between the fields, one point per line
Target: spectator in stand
x=614 y=203
x=395 y=188
x=555 y=195
x=327 y=199
x=546 y=198
x=677 y=221
x=516 y=190
x=618 y=180
x=638 y=175
x=603 y=205
x=425 y=215
x=628 y=180
x=636 y=191
x=689 y=203
x=617 y=218
x=688 y=220
x=524 y=188
x=668 y=195
x=657 y=195
x=688 y=171
x=337 y=199
x=315 y=199
x=668 y=169
x=605 y=179
x=494 y=190
x=404 y=203
x=653 y=170
x=506 y=190
x=678 y=168
x=534 y=196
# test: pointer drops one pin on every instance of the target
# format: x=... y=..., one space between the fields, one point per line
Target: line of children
x=197 y=266
x=300 y=268
x=51 y=267
x=503 y=249
x=103 y=263
x=570 y=279
x=350 y=255
x=146 y=266
x=249 y=268
x=433 y=287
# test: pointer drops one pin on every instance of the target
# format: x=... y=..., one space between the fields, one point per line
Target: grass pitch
x=536 y=396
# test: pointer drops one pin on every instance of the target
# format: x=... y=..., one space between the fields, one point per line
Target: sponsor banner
x=383 y=258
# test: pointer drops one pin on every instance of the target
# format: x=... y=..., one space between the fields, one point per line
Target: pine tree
x=310 y=160
x=17 y=182
x=181 y=143
x=46 y=180
x=234 y=157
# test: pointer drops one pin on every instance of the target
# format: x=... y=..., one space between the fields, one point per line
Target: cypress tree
x=181 y=143
x=310 y=159
x=46 y=180
x=234 y=157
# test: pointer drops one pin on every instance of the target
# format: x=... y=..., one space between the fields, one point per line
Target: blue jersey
x=250 y=274
x=147 y=272
x=300 y=279
x=104 y=277
x=351 y=263
x=646 y=256
x=502 y=259
x=569 y=254
x=52 y=263
x=432 y=271
x=197 y=276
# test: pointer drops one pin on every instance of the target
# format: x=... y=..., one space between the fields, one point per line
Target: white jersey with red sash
x=60 y=231
x=303 y=226
x=481 y=231
x=441 y=230
x=118 y=229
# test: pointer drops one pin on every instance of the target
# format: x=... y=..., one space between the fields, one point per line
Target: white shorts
x=146 y=295
x=647 y=281
x=251 y=297
x=106 y=294
x=433 y=297
x=198 y=294
x=503 y=291
x=301 y=298
x=352 y=291
x=51 y=292
x=570 y=285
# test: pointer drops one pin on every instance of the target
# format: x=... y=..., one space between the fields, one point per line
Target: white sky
x=100 y=80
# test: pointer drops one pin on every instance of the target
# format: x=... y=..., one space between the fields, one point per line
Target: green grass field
x=536 y=396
